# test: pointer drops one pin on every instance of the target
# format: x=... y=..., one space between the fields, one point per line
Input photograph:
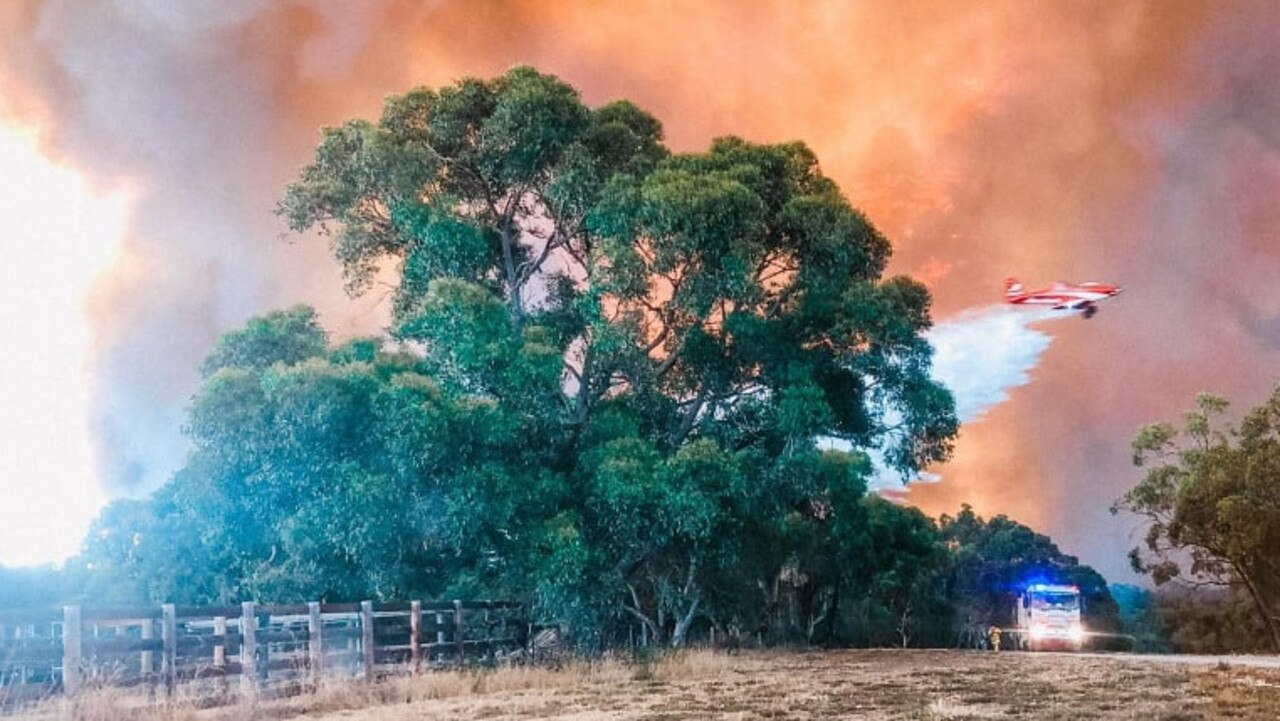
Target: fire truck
x=1048 y=618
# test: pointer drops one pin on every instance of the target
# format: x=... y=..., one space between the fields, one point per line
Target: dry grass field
x=878 y=684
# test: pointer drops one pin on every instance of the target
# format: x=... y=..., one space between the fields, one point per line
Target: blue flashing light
x=1039 y=587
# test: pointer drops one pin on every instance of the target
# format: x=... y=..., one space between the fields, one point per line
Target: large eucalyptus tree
x=607 y=374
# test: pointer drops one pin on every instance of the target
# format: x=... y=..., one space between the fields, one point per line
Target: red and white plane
x=1062 y=296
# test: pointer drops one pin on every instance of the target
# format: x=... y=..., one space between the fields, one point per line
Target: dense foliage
x=1212 y=496
x=1183 y=619
x=996 y=559
x=612 y=386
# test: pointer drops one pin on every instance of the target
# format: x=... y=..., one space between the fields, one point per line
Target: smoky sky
x=1134 y=142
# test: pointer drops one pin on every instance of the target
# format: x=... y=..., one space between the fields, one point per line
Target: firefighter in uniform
x=993 y=637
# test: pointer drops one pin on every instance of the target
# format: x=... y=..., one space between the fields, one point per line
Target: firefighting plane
x=1062 y=296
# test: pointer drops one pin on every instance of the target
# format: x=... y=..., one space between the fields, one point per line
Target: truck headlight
x=1039 y=631
x=1076 y=633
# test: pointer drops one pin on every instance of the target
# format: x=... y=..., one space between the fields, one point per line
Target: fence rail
x=264 y=646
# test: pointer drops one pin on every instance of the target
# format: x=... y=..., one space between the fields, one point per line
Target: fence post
x=220 y=649
x=248 y=650
x=366 y=638
x=315 y=647
x=146 y=665
x=459 y=634
x=220 y=652
x=490 y=656
x=169 y=638
x=71 y=658
x=415 y=635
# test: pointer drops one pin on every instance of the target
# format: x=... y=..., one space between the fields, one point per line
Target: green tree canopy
x=1211 y=494
x=287 y=337
x=604 y=385
x=736 y=284
x=996 y=559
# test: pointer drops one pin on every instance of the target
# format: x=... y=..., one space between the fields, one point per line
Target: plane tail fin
x=1012 y=287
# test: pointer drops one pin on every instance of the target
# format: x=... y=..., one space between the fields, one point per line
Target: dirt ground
x=887 y=684
x=876 y=684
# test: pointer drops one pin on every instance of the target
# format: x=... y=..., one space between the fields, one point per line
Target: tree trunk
x=683 y=623
x=769 y=613
x=515 y=305
x=583 y=400
x=904 y=623
x=816 y=618
x=833 y=616
x=654 y=628
x=1273 y=627
x=690 y=416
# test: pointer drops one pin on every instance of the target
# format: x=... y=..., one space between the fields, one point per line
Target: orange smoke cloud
x=1134 y=142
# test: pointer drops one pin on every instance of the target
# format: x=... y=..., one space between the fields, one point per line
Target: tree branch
x=691 y=415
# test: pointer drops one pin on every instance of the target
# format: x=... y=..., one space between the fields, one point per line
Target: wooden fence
x=264 y=648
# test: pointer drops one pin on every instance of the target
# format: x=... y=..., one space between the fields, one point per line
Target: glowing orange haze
x=1132 y=142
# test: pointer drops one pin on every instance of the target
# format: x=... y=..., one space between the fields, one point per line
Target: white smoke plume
x=984 y=353
x=980 y=355
x=188 y=103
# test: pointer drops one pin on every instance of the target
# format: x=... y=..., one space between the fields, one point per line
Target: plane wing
x=1087 y=307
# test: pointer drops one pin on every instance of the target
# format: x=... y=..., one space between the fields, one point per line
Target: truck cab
x=1048 y=617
